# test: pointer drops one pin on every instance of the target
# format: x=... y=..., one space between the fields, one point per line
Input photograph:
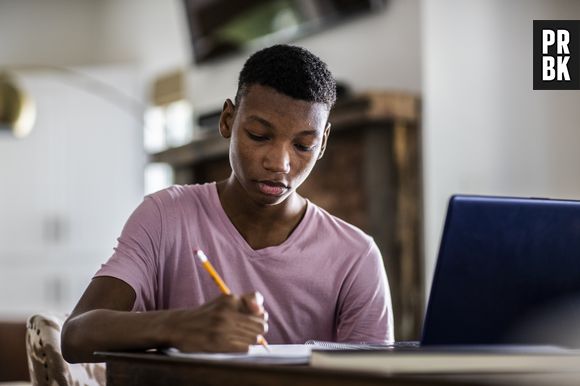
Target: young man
x=319 y=277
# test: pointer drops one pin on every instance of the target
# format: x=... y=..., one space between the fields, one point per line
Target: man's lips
x=272 y=188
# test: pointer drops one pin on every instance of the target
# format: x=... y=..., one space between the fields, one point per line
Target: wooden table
x=156 y=369
x=13 y=365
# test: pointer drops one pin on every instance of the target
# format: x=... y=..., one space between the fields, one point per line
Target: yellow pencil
x=221 y=284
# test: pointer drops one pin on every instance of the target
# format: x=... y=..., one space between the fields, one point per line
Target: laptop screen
x=503 y=265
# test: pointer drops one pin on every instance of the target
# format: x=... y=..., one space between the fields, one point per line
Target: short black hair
x=290 y=70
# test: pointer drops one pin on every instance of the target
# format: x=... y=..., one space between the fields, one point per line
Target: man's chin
x=271 y=200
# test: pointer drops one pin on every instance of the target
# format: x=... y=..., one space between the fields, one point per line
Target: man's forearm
x=103 y=330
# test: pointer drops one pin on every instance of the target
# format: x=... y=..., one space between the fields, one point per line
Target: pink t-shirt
x=325 y=282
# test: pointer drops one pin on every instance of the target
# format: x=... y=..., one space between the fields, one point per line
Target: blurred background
x=119 y=98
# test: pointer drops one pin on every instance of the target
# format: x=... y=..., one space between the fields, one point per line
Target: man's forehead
x=312 y=129
x=258 y=94
x=263 y=95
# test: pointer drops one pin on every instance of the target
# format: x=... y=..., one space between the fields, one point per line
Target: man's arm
x=365 y=311
x=103 y=321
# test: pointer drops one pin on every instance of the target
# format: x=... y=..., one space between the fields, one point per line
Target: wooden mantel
x=369 y=107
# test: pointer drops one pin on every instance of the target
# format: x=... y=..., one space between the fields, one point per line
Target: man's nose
x=278 y=159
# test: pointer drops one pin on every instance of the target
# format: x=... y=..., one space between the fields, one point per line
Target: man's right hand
x=226 y=324
x=103 y=321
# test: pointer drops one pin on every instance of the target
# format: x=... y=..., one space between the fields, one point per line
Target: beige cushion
x=45 y=362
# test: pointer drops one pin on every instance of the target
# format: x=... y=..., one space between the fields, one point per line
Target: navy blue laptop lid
x=502 y=263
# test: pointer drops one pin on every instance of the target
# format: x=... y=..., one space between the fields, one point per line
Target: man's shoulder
x=178 y=194
x=339 y=230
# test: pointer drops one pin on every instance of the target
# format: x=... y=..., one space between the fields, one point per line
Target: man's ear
x=324 y=140
x=227 y=119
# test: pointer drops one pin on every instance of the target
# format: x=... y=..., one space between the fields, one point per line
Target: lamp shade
x=17 y=110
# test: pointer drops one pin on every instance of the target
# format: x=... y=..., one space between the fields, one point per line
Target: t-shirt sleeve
x=136 y=256
x=365 y=313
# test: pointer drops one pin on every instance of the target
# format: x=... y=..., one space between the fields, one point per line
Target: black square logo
x=556 y=55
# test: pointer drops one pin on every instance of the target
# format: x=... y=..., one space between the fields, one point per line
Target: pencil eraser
x=200 y=255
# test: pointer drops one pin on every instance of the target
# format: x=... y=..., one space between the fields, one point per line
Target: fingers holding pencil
x=217 y=326
x=252 y=303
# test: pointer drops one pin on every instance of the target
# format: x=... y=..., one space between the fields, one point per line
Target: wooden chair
x=45 y=361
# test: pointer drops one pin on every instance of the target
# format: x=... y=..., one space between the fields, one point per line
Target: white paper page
x=278 y=354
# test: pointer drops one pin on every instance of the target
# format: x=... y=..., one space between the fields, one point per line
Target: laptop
x=508 y=273
x=505 y=266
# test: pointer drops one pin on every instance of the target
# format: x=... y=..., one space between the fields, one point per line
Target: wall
x=56 y=32
x=383 y=49
x=151 y=33
x=66 y=190
x=380 y=51
x=485 y=130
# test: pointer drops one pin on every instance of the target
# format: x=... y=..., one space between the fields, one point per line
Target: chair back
x=45 y=361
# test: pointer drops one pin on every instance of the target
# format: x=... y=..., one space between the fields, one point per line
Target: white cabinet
x=67 y=189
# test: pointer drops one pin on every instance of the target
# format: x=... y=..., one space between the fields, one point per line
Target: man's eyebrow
x=261 y=120
x=268 y=124
x=308 y=132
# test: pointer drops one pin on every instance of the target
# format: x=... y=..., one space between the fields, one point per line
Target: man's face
x=275 y=142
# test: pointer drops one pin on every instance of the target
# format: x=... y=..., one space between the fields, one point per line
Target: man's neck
x=260 y=225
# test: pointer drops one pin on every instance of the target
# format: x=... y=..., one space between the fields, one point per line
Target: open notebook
x=286 y=354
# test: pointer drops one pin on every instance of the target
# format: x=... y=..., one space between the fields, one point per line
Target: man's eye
x=304 y=147
x=258 y=138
